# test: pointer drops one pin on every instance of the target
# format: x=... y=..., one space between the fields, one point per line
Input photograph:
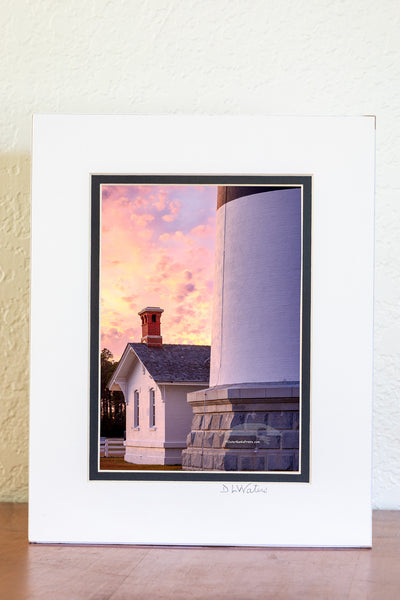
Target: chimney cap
x=153 y=309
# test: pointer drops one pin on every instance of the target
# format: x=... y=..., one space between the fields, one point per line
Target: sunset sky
x=157 y=249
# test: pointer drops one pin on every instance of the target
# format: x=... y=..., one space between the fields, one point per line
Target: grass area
x=116 y=463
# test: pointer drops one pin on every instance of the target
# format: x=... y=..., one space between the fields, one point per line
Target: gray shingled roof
x=175 y=362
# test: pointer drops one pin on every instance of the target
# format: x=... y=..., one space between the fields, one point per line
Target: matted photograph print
x=200 y=328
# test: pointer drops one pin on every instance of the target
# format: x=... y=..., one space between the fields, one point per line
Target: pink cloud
x=203 y=231
x=174 y=207
x=129 y=298
x=141 y=220
x=161 y=201
x=144 y=262
x=168 y=218
x=139 y=202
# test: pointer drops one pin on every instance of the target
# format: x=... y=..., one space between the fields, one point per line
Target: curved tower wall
x=257 y=288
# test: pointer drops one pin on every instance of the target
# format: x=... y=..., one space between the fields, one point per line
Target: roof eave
x=122 y=360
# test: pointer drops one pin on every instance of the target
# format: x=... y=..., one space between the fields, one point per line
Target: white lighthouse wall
x=256 y=316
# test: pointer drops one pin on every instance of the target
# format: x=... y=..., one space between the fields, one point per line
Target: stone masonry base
x=251 y=427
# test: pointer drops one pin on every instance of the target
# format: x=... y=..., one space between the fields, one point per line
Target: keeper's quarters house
x=155 y=379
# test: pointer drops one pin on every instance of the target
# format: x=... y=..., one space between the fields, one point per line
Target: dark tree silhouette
x=112 y=403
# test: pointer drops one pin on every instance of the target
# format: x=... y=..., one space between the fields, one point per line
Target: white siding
x=178 y=413
x=144 y=444
x=163 y=443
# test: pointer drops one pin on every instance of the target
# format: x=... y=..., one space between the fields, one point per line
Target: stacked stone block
x=247 y=428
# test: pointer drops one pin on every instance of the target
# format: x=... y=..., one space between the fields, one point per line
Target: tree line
x=112 y=404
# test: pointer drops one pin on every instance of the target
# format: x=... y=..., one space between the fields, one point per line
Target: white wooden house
x=155 y=379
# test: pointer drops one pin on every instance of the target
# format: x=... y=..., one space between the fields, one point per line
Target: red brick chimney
x=151 y=326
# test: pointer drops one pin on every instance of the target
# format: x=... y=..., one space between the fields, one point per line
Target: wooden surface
x=124 y=573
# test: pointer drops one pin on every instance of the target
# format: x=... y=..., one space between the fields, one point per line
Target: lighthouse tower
x=248 y=418
x=256 y=308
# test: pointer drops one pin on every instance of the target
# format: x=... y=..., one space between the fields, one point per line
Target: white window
x=136 y=408
x=152 y=408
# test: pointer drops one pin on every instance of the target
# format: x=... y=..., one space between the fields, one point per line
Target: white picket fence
x=112 y=447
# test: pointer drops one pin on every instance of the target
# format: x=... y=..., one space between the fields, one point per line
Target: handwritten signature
x=243 y=488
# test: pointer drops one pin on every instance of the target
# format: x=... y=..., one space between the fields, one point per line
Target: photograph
x=200 y=326
x=202 y=290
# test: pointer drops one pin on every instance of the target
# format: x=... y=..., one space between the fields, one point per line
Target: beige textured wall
x=204 y=56
x=14 y=320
